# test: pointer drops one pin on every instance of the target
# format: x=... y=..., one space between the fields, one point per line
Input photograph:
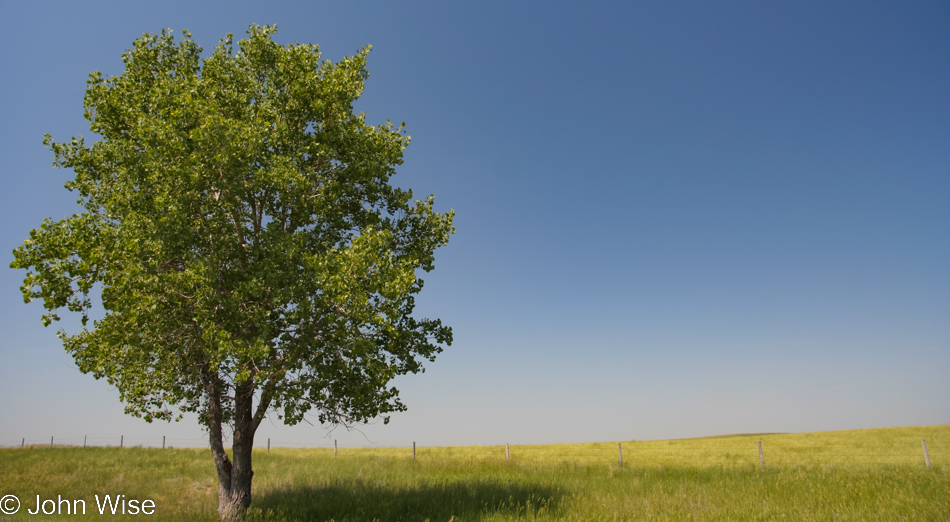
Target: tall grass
x=851 y=475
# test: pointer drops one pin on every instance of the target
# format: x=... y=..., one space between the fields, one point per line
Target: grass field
x=876 y=474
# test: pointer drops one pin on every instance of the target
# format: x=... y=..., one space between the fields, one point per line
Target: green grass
x=849 y=475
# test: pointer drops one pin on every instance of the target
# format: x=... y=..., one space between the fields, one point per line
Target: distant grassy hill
x=880 y=446
x=876 y=474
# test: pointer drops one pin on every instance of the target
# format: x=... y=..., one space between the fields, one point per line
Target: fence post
x=163 y=442
x=51 y=441
x=926 y=455
x=761 y=455
x=84 y=440
x=413 y=450
x=334 y=447
x=620 y=452
x=121 y=440
x=23 y=443
x=268 y=444
x=507 y=452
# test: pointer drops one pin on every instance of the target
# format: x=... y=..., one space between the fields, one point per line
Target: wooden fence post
x=84 y=440
x=268 y=444
x=51 y=441
x=121 y=440
x=413 y=450
x=23 y=443
x=926 y=455
x=334 y=447
x=761 y=455
x=620 y=452
x=163 y=442
x=507 y=452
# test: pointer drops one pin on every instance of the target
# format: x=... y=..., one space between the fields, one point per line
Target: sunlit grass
x=181 y=482
x=849 y=475
x=898 y=446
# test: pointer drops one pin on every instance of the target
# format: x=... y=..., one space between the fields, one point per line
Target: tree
x=249 y=252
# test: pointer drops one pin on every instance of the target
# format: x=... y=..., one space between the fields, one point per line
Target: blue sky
x=674 y=219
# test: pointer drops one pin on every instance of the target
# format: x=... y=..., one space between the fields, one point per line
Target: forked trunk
x=234 y=478
x=234 y=494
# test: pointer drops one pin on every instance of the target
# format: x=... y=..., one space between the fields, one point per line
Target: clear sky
x=674 y=219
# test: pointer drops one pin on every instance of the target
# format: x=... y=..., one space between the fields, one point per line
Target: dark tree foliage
x=251 y=252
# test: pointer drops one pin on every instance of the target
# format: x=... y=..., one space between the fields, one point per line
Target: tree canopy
x=241 y=232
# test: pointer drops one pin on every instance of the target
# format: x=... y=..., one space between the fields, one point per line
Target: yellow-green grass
x=873 y=447
x=874 y=474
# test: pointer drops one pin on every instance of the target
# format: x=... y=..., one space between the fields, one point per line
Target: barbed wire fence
x=636 y=453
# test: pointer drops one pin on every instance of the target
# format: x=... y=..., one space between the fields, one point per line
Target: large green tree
x=241 y=231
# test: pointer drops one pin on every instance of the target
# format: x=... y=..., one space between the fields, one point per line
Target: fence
x=741 y=452
x=105 y=442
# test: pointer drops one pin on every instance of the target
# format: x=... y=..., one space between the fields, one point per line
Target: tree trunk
x=243 y=442
x=234 y=501
x=234 y=479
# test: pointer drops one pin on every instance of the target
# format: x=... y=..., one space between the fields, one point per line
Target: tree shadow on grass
x=362 y=501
